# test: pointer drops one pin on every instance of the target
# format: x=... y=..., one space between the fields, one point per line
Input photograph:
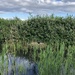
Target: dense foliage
x=40 y=28
x=51 y=28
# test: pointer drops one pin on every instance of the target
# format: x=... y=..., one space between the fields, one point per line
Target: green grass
x=51 y=60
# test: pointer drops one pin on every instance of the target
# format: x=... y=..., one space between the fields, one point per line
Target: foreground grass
x=51 y=60
x=54 y=62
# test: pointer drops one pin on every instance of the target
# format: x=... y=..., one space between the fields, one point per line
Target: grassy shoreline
x=51 y=60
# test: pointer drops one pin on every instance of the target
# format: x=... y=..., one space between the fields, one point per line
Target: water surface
x=11 y=65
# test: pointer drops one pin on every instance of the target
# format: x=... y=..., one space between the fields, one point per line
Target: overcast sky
x=21 y=8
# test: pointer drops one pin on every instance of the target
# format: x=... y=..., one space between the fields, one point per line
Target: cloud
x=37 y=6
x=68 y=0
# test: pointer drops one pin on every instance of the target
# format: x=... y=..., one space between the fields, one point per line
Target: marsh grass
x=50 y=60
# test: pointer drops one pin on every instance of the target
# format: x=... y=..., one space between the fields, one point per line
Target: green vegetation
x=47 y=40
x=54 y=62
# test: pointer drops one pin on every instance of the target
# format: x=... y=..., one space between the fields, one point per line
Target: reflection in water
x=19 y=66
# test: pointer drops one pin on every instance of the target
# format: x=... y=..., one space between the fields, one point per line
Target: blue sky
x=15 y=14
x=22 y=8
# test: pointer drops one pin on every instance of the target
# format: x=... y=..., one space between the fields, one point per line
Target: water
x=11 y=65
x=17 y=66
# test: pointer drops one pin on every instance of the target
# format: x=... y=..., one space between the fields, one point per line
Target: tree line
x=38 y=28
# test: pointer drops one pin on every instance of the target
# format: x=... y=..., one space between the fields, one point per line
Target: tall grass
x=53 y=62
x=50 y=60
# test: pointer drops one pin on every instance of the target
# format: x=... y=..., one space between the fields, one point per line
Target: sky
x=23 y=8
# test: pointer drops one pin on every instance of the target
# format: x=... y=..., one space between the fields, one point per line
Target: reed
x=50 y=60
x=53 y=62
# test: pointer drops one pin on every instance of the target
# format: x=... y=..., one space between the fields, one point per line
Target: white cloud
x=37 y=6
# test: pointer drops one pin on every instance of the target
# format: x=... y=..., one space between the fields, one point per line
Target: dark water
x=11 y=65
x=18 y=66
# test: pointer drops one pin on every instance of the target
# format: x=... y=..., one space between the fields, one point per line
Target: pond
x=11 y=65
x=17 y=65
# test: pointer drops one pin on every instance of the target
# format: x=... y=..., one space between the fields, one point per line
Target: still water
x=10 y=65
